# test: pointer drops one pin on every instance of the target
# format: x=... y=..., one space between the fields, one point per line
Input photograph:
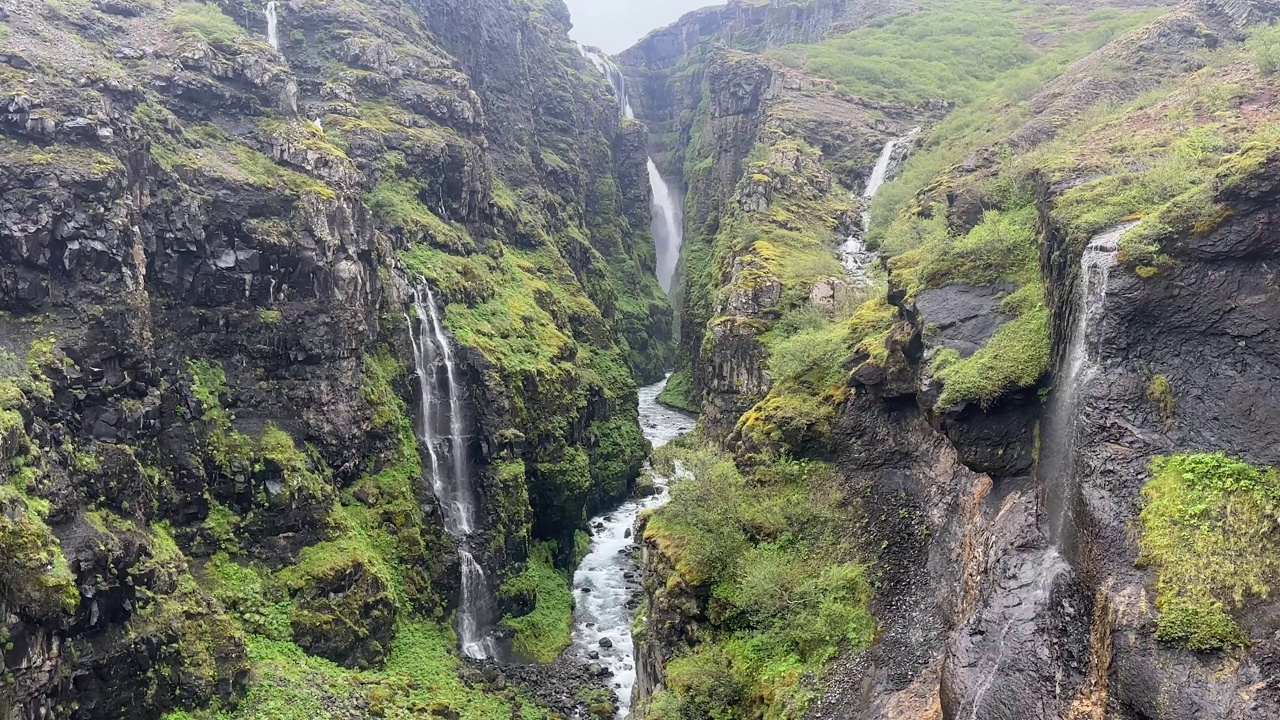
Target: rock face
x=207 y=252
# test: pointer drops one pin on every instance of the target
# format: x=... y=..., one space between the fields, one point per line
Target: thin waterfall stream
x=668 y=217
x=273 y=25
x=443 y=435
x=854 y=255
x=1031 y=591
x=605 y=584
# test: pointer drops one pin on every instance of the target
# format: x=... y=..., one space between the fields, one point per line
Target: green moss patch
x=544 y=632
x=1209 y=531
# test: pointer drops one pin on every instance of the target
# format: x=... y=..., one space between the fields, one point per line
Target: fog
x=615 y=25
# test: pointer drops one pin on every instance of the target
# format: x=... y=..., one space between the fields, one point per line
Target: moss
x=544 y=632
x=262 y=171
x=1208 y=532
x=270 y=317
x=420 y=679
x=230 y=450
x=32 y=567
x=1017 y=356
x=678 y=392
x=1160 y=392
x=396 y=203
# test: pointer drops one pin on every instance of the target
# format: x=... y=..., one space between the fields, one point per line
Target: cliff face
x=208 y=466
x=1007 y=419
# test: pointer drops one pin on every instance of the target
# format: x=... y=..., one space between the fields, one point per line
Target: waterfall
x=854 y=255
x=272 y=25
x=442 y=435
x=1078 y=370
x=667 y=228
x=667 y=223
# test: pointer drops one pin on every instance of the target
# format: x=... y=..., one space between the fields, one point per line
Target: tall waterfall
x=273 y=23
x=667 y=224
x=854 y=255
x=442 y=433
x=1079 y=370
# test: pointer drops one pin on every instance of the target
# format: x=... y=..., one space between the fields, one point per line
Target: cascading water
x=442 y=433
x=603 y=582
x=1028 y=591
x=668 y=218
x=854 y=255
x=273 y=24
x=1078 y=371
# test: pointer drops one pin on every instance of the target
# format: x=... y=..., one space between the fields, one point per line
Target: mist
x=615 y=25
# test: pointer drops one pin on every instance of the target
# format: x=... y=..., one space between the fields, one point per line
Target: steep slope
x=1049 y=428
x=216 y=222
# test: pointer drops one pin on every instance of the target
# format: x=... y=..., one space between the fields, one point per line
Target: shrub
x=784 y=588
x=1264 y=45
x=1209 y=531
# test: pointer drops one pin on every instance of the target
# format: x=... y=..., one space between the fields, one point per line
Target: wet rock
x=606 y=642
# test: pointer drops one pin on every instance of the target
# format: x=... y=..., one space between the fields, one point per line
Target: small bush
x=1160 y=392
x=1264 y=45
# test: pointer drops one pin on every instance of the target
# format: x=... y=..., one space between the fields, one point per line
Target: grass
x=420 y=678
x=1209 y=532
x=541 y=635
x=206 y=20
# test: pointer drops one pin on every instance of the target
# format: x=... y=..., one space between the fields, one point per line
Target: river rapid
x=607 y=580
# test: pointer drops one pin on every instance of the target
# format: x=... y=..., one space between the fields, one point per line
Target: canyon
x=808 y=360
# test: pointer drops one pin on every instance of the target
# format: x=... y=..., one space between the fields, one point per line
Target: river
x=608 y=578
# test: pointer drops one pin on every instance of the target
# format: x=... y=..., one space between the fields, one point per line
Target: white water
x=854 y=255
x=667 y=228
x=442 y=434
x=273 y=23
x=602 y=612
x=665 y=209
x=1079 y=370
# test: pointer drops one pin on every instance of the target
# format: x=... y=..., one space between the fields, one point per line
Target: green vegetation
x=420 y=678
x=772 y=556
x=1264 y=46
x=206 y=20
x=544 y=633
x=677 y=392
x=1208 y=530
x=808 y=349
x=1160 y=392
x=1017 y=356
x=948 y=53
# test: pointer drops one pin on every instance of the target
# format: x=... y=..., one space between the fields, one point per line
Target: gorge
x=807 y=360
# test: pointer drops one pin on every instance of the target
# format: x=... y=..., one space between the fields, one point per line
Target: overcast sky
x=615 y=25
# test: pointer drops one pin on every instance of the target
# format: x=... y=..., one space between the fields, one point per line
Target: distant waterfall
x=854 y=255
x=667 y=223
x=1078 y=371
x=442 y=433
x=273 y=22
